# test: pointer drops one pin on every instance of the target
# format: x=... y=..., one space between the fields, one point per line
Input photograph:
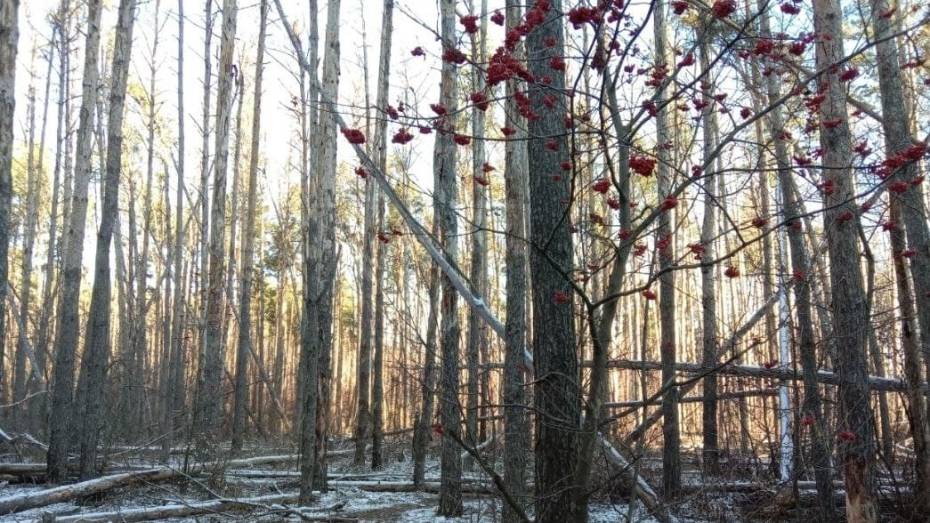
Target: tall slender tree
x=909 y=208
x=671 y=438
x=9 y=40
x=516 y=420
x=96 y=355
x=247 y=248
x=321 y=264
x=209 y=396
x=557 y=395
x=66 y=338
x=380 y=150
x=850 y=310
x=444 y=199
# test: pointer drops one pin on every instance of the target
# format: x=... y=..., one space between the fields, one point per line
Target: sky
x=359 y=29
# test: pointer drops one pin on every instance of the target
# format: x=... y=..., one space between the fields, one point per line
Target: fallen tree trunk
x=641 y=489
x=41 y=498
x=750 y=371
x=692 y=399
x=179 y=510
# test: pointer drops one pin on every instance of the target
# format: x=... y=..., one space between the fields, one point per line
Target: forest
x=464 y=260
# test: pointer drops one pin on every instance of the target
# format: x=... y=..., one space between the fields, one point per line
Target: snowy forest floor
x=267 y=492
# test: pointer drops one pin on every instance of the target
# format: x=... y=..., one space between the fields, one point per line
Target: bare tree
x=209 y=398
x=710 y=450
x=444 y=198
x=909 y=208
x=248 y=246
x=478 y=271
x=671 y=439
x=850 y=310
x=66 y=338
x=96 y=355
x=557 y=394
x=321 y=264
x=175 y=382
x=516 y=422
x=380 y=151
x=9 y=40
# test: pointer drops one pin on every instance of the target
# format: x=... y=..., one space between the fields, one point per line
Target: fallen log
x=408 y=486
x=641 y=489
x=692 y=399
x=777 y=373
x=41 y=498
x=179 y=510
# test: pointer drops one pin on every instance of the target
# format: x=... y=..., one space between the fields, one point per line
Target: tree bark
x=66 y=339
x=321 y=265
x=444 y=201
x=95 y=360
x=516 y=423
x=910 y=209
x=478 y=270
x=61 y=133
x=557 y=395
x=671 y=447
x=175 y=391
x=710 y=451
x=210 y=394
x=248 y=246
x=380 y=145
x=850 y=312
x=801 y=267
x=9 y=40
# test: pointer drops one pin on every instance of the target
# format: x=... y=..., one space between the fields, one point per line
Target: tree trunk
x=175 y=390
x=811 y=404
x=9 y=40
x=203 y=270
x=557 y=395
x=444 y=200
x=94 y=363
x=422 y=428
x=248 y=246
x=41 y=345
x=68 y=308
x=478 y=270
x=911 y=210
x=850 y=312
x=321 y=265
x=210 y=395
x=380 y=151
x=29 y=227
x=516 y=423
x=710 y=450
x=671 y=447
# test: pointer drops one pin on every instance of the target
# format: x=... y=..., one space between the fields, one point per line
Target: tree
x=556 y=396
x=66 y=338
x=850 y=310
x=802 y=276
x=95 y=359
x=909 y=208
x=209 y=398
x=516 y=423
x=9 y=39
x=671 y=439
x=380 y=149
x=174 y=393
x=476 y=343
x=244 y=348
x=321 y=264
x=710 y=451
x=444 y=198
